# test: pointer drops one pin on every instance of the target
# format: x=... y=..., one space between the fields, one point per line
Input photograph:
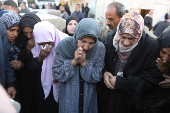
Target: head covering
x=164 y=40
x=27 y=20
x=131 y=23
x=86 y=27
x=67 y=21
x=10 y=19
x=46 y=32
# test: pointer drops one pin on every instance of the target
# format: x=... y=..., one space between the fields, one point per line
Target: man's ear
x=16 y=10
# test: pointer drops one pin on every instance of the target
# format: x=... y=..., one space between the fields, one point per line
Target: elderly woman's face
x=165 y=54
x=28 y=32
x=86 y=43
x=71 y=26
x=127 y=40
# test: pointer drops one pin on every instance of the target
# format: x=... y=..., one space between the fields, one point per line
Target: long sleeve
x=62 y=68
x=92 y=72
x=34 y=65
x=8 y=67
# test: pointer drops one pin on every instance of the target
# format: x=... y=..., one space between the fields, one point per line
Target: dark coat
x=160 y=27
x=86 y=12
x=148 y=22
x=137 y=89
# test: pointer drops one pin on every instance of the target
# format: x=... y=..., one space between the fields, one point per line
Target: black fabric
x=109 y=37
x=67 y=9
x=29 y=20
x=48 y=105
x=160 y=27
x=86 y=12
x=138 y=89
x=148 y=22
x=26 y=79
x=67 y=22
x=164 y=40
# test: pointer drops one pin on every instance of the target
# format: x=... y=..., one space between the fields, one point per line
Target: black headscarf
x=164 y=40
x=27 y=20
x=67 y=21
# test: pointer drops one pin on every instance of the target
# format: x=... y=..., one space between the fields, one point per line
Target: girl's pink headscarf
x=46 y=32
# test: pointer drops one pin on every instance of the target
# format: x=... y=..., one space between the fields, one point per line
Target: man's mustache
x=110 y=25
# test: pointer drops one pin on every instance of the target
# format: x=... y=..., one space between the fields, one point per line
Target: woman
x=71 y=23
x=46 y=38
x=130 y=76
x=77 y=66
x=11 y=21
x=26 y=79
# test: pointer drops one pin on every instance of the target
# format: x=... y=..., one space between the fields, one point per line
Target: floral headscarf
x=131 y=23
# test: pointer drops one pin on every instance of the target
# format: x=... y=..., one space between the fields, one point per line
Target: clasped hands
x=109 y=80
x=79 y=57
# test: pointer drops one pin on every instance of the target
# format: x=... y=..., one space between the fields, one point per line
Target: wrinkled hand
x=30 y=44
x=166 y=83
x=16 y=64
x=11 y=92
x=79 y=57
x=44 y=53
x=162 y=65
x=112 y=81
x=107 y=78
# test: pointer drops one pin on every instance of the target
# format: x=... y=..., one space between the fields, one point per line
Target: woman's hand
x=16 y=64
x=44 y=53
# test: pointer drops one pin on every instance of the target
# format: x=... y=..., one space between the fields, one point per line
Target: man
x=86 y=11
x=9 y=5
x=77 y=12
x=64 y=14
x=130 y=76
x=113 y=14
x=24 y=9
x=148 y=19
x=6 y=72
x=67 y=8
x=36 y=6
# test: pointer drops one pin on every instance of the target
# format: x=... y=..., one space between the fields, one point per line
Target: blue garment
x=6 y=70
x=3 y=12
x=79 y=15
x=78 y=84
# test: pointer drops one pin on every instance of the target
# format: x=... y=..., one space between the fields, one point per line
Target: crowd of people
x=123 y=68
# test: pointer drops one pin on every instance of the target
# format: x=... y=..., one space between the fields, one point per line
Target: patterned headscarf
x=131 y=23
x=10 y=19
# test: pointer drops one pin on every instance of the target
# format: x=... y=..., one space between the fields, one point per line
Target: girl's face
x=71 y=26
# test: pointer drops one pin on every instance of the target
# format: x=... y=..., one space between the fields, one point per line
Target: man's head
x=66 y=3
x=62 y=8
x=22 y=5
x=82 y=5
x=10 y=5
x=77 y=7
x=86 y=5
x=114 y=13
x=151 y=12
